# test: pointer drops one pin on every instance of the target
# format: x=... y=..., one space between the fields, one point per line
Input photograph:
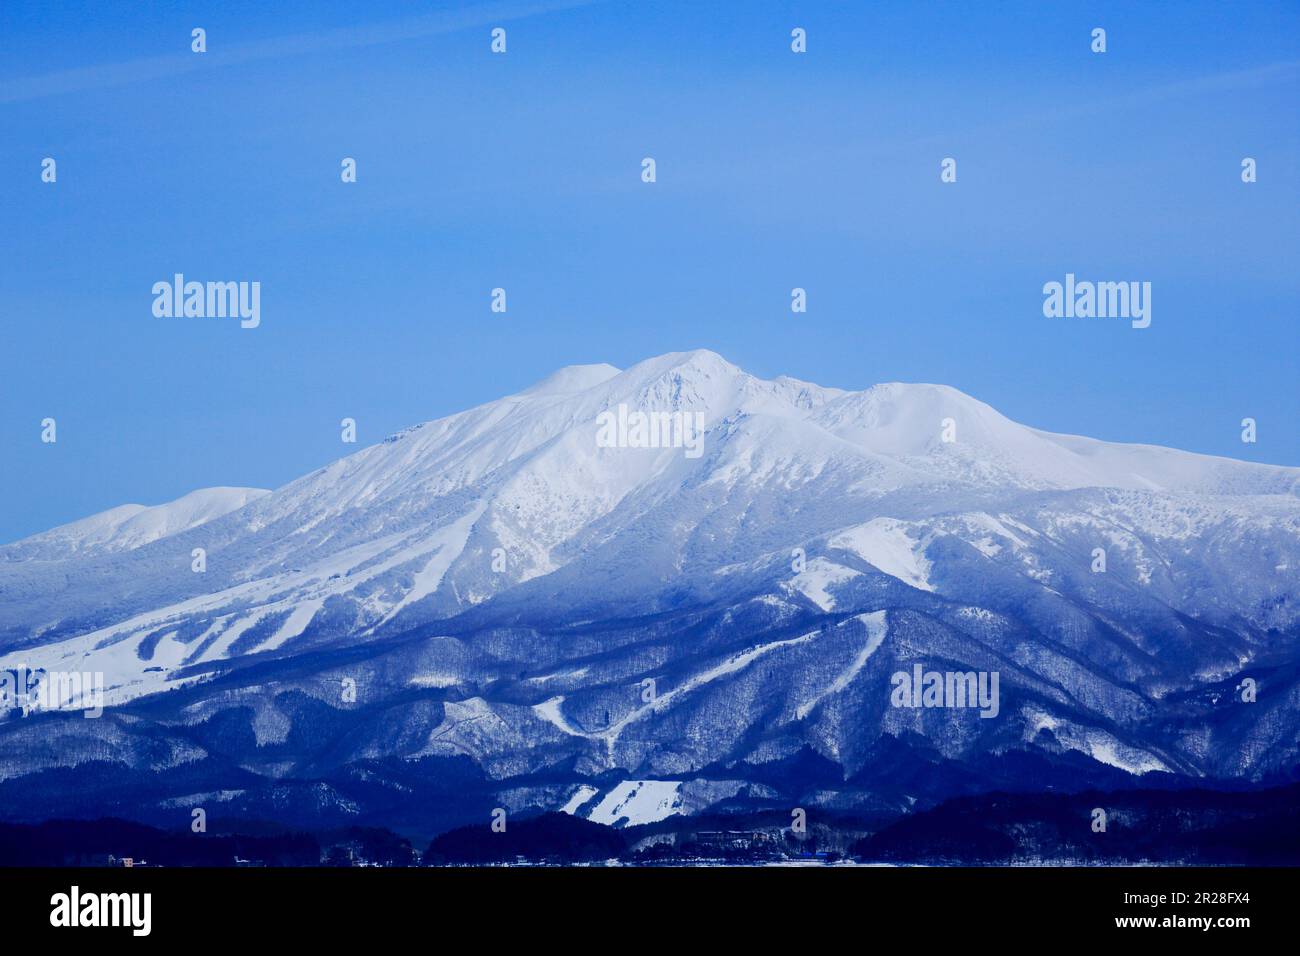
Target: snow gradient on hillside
x=501 y=587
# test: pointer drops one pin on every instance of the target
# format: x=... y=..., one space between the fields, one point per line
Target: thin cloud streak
x=342 y=38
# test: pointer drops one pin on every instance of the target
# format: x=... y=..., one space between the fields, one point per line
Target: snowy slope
x=494 y=559
x=413 y=522
x=130 y=526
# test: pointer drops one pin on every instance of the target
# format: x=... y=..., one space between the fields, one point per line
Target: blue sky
x=523 y=171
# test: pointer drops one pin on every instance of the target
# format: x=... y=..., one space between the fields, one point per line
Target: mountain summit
x=501 y=585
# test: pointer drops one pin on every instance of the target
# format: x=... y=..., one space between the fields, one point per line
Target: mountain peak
x=573 y=378
x=128 y=527
x=693 y=364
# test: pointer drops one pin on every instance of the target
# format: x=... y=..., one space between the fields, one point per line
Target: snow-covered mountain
x=659 y=629
x=129 y=526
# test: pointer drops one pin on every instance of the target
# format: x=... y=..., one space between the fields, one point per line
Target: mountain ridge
x=500 y=587
x=877 y=400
